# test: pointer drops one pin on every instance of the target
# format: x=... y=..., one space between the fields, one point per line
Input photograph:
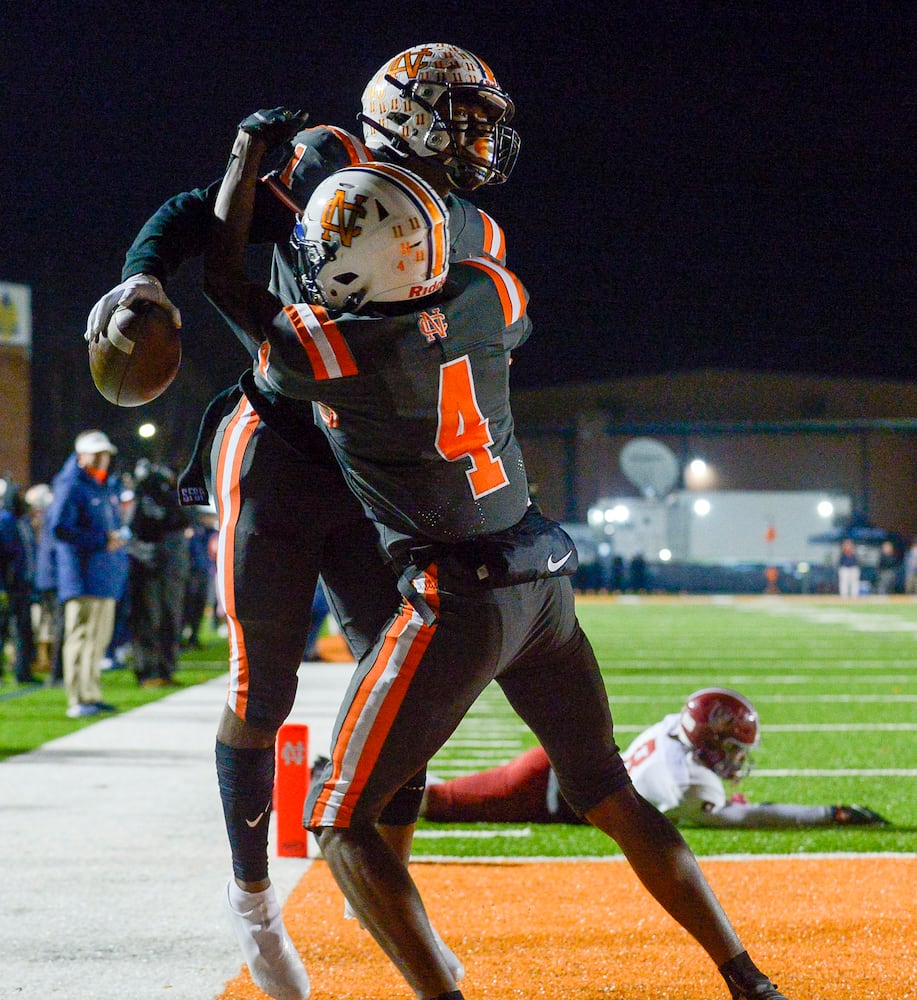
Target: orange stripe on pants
x=238 y=433
x=370 y=717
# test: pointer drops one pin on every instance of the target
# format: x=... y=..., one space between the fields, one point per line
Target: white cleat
x=452 y=960
x=269 y=953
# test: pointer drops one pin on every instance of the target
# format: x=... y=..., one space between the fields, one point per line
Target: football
x=137 y=357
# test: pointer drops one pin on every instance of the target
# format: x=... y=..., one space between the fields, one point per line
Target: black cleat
x=760 y=991
x=747 y=982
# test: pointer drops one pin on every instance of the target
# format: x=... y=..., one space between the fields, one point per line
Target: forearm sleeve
x=771 y=816
x=179 y=230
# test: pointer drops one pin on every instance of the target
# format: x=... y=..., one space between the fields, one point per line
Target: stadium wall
x=757 y=431
x=15 y=413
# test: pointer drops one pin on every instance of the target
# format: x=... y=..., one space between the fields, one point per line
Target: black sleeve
x=180 y=228
x=248 y=309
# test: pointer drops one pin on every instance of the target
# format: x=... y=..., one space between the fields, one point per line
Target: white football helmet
x=722 y=727
x=372 y=232
x=437 y=100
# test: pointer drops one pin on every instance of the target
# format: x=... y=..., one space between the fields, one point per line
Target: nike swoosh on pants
x=553 y=566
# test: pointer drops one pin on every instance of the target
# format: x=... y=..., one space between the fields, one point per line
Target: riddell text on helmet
x=419 y=291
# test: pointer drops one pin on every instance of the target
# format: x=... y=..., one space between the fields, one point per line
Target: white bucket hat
x=92 y=443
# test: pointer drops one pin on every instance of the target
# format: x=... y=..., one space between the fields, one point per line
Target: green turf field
x=835 y=686
x=31 y=716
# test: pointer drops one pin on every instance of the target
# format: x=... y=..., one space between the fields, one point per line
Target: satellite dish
x=650 y=465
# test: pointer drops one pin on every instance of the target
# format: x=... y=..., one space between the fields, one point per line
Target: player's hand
x=857 y=816
x=135 y=288
x=275 y=126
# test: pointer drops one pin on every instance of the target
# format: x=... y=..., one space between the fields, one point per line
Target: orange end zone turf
x=822 y=928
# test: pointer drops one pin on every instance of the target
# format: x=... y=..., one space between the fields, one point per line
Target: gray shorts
x=285 y=518
x=412 y=689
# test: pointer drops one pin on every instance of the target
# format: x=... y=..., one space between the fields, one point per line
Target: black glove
x=857 y=816
x=274 y=126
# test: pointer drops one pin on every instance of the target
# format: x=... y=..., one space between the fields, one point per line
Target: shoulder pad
x=317 y=152
x=510 y=291
x=474 y=233
x=494 y=239
x=321 y=339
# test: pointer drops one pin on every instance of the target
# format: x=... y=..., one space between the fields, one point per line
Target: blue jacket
x=79 y=519
x=12 y=553
x=45 y=559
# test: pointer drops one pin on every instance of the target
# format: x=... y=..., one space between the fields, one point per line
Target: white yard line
x=858 y=621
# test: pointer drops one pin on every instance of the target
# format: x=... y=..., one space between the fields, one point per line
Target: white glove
x=138 y=286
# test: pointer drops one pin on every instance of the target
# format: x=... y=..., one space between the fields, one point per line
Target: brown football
x=137 y=357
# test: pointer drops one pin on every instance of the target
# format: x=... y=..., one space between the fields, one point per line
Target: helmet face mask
x=730 y=760
x=369 y=234
x=480 y=148
x=427 y=100
x=721 y=726
x=312 y=257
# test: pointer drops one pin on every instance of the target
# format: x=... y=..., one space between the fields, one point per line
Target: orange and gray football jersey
x=416 y=406
x=317 y=153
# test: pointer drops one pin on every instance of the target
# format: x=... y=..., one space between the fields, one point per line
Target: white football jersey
x=664 y=771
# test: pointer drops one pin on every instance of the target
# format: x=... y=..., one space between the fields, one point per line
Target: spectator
x=158 y=573
x=119 y=654
x=199 y=584
x=320 y=611
x=638 y=573
x=91 y=566
x=848 y=570
x=214 y=600
x=20 y=593
x=14 y=591
x=887 y=568
x=616 y=584
x=50 y=628
x=678 y=764
x=910 y=569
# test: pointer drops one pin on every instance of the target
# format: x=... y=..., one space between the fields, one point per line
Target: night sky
x=713 y=184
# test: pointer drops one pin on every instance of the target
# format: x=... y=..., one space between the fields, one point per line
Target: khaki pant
x=848 y=581
x=89 y=623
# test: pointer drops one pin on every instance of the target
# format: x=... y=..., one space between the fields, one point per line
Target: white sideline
x=116 y=853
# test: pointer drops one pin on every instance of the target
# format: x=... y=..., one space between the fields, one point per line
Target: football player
x=412 y=375
x=438 y=109
x=679 y=764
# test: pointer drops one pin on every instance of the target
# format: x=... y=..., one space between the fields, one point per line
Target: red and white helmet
x=372 y=232
x=415 y=105
x=722 y=727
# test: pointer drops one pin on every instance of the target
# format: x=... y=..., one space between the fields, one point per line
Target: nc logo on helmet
x=409 y=62
x=341 y=216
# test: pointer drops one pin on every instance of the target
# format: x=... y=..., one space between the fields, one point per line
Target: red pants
x=512 y=793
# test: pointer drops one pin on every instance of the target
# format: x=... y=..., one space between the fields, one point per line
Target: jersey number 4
x=463 y=431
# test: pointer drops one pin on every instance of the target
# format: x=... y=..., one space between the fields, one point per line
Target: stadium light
x=617 y=514
x=699 y=475
x=595 y=517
